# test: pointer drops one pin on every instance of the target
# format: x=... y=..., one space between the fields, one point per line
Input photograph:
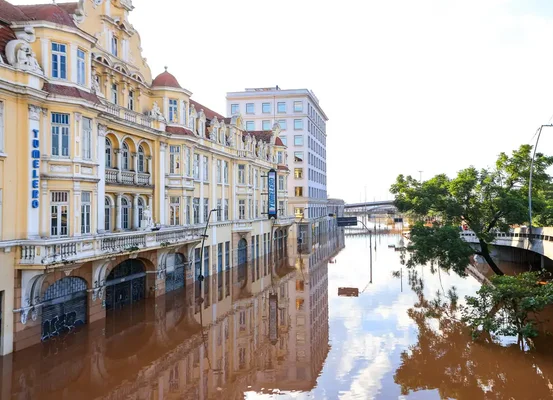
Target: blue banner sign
x=272 y=211
x=35 y=169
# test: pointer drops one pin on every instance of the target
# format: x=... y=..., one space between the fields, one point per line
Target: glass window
x=173 y=107
x=81 y=67
x=87 y=138
x=284 y=140
x=225 y=172
x=298 y=191
x=250 y=109
x=298 y=106
x=114 y=45
x=298 y=156
x=234 y=109
x=196 y=210
x=298 y=124
x=298 y=140
x=298 y=173
x=174 y=210
x=108 y=153
x=250 y=126
x=130 y=106
x=86 y=205
x=281 y=182
x=114 y=93
x=60 y=135
x=196 y=166
x=266 y=125
x=241 y=174
x=174 y=159
x=225 y=210
x=219 y=172
x=266 y=108
x=59 y=214
x=107 y=214
x=282 y=123
x=125 y=154
x=241 y=209
x=206 y=169
x=125 y=213
x=281 y=107
x=59 y=61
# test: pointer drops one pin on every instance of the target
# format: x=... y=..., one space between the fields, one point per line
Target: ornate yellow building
x=107 y=176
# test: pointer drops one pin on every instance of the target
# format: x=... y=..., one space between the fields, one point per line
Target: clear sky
x=431 y=85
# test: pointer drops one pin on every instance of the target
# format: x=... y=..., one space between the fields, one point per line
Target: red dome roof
x=165 y=79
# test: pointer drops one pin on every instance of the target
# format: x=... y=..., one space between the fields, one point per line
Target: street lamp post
x=204 y=236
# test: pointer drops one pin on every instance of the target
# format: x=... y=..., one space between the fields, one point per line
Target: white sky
x=431 y=85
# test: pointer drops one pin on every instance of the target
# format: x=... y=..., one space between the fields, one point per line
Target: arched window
x=140 y=210
x=125 y=214
x=140 y=159
x=109 y=150
x=107 y=214
x=125 y=155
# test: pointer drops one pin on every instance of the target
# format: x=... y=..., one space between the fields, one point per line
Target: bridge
x=374 y=207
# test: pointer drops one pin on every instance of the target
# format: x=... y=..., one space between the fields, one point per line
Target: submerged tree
x=487 y=200
x=507 y=307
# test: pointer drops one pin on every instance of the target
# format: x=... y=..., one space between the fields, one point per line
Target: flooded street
x=287 y=335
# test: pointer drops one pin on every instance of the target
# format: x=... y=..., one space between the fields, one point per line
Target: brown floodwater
x=313 y=344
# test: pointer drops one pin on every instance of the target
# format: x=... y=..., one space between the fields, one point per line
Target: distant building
x=303 y=130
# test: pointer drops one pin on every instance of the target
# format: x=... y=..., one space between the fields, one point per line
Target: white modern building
x=303 y=130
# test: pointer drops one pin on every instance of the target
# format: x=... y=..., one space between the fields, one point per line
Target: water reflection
x=161 y=348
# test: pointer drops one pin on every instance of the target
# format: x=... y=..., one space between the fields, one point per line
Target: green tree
x=487 y=200
x=507 y=307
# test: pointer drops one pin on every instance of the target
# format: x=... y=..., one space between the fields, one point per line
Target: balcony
x=242 y=226
x=47 y=252
x=284 y=221
x=133 y=117
x=127 y=177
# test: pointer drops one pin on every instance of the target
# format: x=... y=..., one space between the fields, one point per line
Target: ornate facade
x=108 y=176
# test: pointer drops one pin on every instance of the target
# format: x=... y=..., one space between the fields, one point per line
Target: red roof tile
x=70 y=92
x=278 y=142
x=228 y=120
x=178 y=130
x=9 y=12
x=283 y=168
x=56 y=13
x=210 y=114
x=265 y=136
x=166 y=79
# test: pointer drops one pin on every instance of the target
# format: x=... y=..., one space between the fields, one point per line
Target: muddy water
x=379 y=345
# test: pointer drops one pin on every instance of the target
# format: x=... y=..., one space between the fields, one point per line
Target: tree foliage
x=487 y=200
x=507 y=306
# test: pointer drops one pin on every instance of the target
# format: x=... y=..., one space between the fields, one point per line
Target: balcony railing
x=128 y=177
x=129 y=115
x=67 y=250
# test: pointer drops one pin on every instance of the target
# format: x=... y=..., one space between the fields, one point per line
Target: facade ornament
x=24 y=315
x=156 y=112
x=102 y=130
x=147 y=220
x=96 y=84
x=79 y=15
x=26 y=34
x=34 y=112
x=34 y=313
x=20 y=55
x=213 y=135
x=97 y=2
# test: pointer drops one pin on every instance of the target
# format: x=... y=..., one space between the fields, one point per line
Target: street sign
x=272 y=194
x=346 y=221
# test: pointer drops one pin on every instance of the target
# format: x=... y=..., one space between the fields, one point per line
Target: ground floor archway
x=175 y=272
x=64 y=307
x=126 y=284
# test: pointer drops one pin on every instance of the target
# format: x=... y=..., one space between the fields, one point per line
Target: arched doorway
x=125 y=285
x=63 y=306
x=174 y=278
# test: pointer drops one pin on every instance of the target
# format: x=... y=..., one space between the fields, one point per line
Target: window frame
x=86 y=148
x=250 y=108
x=283 y=109
x=268 y=122
x=59 y=60
x=266 y=108
x=298 y=124
x=298 y=142
x=81 y=67
x=296 y=108
x=61 y=130
x=234 y=109
x=86 y=211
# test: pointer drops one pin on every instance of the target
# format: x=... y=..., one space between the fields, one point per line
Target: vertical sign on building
x=273 y=318
x=35 y=168
x=272 y=194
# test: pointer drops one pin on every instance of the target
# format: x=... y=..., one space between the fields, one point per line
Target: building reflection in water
x=159 y=349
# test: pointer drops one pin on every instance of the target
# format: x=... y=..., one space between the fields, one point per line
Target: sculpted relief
x=19 y=53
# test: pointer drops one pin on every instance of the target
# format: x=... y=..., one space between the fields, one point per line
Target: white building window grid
x=234 y=109
x=174 y=206
x=125 y=155
x=298 y=106
x=225 y=210
x=196 y=166
x=59 y=214
x=282 y=124
x=115 y=93
x=266 y=125
x=140 y=210
x=109 y=152
x=187 y=161
x=196 y=210
x=86 y=207
x=130 y=105
x=60 y=135
x=225 y=172
x=125 y=213
x=107 y=214
x=141 y=159
x=219 y=171
x=205 y=169
x=241 y=174
x=174 y=159
x=250 y=126
x=114 y=45
x=281 y=107
x=266 y=108
x=241 y=209
x=250 y=108
x=298 y=124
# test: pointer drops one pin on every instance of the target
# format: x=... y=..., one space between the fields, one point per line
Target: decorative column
x=161 y=185
x=101 y=186
x=118 y=213
x=119 y=160
x=33 y=196
x=44 y=210
x=135 y=167
x=135 y=221
x=77 y=210
x=149 y=158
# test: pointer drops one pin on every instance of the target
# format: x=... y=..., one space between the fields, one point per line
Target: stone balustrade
x=80 y=249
